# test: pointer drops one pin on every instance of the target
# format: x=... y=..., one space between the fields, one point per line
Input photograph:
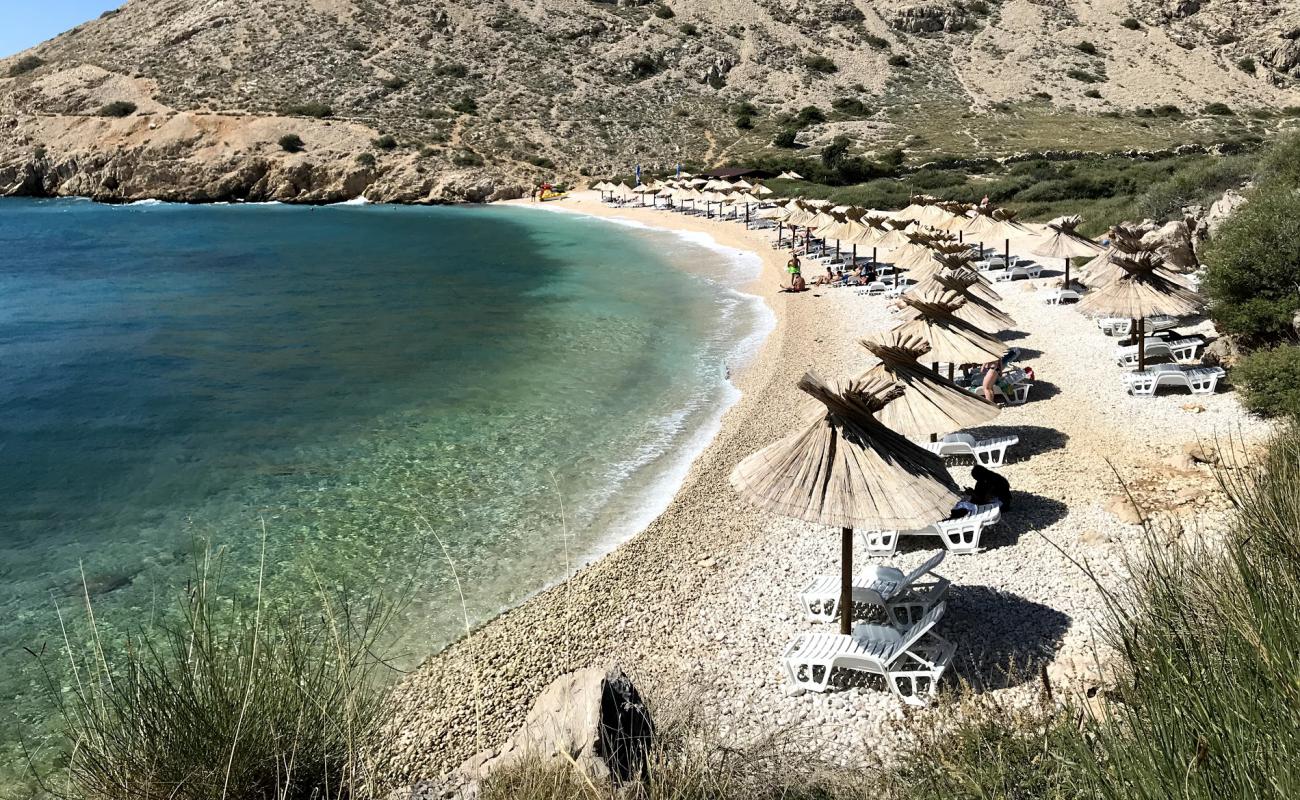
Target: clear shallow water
x=354 y=377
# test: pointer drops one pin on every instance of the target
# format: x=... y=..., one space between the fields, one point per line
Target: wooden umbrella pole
x=1067 y=273
x=846 y=582
x=1142 y=343
x=780 y=232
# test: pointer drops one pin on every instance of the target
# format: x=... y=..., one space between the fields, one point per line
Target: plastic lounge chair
x=1197 y=380
x=873 y=289
x=1117 y=326
x=1057 y=297
x=961 y=536
x=904 y=597
x=991 y=453
x=912 y=662
x=1178 y=349
x=1011 y=273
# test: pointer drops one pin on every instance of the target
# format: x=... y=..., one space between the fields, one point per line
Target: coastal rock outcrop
x=930 y=18
x=593 y=719
x=1173 y=241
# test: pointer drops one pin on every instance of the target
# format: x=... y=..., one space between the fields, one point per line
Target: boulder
x=930 y=18
x=1201 y=453
x=1285 y=57
x=593 y=718
x=1177 y=9
x=1173 y=241
x=1222 y=352
x=1219 y=211
x=1122 y=506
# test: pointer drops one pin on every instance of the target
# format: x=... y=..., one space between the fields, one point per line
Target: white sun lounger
x=961 y=536
x=1197 y=380
x=904 y=597
x=1011 y=273
x=1185 y=350
x=1056 y=297
x=1117 y=326
x=874 y=289
x=990 y=453
x=912 y=662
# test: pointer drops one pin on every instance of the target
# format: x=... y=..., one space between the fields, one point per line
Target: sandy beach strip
x=701 y=603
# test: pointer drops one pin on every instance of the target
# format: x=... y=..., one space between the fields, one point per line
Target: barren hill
x=426 y=100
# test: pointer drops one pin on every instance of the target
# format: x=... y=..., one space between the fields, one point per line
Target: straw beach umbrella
x=929 y=405
x=1066 y=243
x=967 y=308
x=948 y=339
x=845 y=469
x=1141 y=289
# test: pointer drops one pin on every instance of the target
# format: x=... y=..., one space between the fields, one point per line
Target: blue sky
x=24 y=23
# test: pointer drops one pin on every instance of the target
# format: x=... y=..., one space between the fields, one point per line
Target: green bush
x=465 y=105
x=452 y=70
x=745 y=123
x=1269 y=381
x=899 y=60
x=978 y=7
x=689 y=29
x=309 y=109
x=291 y=143
x=1247 y=65
x=117 y=108
x=1095 y=94
x=1252 y=264
x=820 y=64
x=851 y=106
x=786 y=138
x=1131 y=24
x=664 y=12
x=876 y=42
x=234 y=697
x=1291 y=111
x=385 y=142
x=1083 y=76
x=1086 y=47
x=366 y=160
x=809 y=115
x=1218 y=110
x=24 y=65
x=467 y=158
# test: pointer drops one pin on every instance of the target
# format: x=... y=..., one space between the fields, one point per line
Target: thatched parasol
x=942 y=290
x=949 y=339
x=1141 y=289
x=930 y=405
x=847 y=470
x=1066 y=243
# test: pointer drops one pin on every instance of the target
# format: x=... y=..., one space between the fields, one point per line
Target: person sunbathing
x=825 y=280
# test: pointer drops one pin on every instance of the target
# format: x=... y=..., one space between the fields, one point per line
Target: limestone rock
x=1285 y=57
x=1223 y=351
x=1219 y=212
x=930 y=18
x=1173 y=240
x=594 y=716
x=1178 y=9
x=1122 y=506
x=1202 y=453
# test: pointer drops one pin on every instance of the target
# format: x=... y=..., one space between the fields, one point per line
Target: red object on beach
x=1029 y=373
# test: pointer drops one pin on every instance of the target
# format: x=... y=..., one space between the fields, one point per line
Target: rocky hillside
x=427 y=100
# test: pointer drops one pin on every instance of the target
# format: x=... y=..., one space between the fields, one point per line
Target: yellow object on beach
x=553 y=196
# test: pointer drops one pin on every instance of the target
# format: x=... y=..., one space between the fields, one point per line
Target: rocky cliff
x=429 y=100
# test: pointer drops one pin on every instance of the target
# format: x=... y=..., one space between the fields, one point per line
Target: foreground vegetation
x=233 y=698
x=1252 y=264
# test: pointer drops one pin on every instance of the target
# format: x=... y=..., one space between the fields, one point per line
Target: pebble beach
x=701 y=603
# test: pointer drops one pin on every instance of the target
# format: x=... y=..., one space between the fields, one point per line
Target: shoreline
x=746 y=352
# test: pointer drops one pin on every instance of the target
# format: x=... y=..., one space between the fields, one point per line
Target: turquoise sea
x=387 y=390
